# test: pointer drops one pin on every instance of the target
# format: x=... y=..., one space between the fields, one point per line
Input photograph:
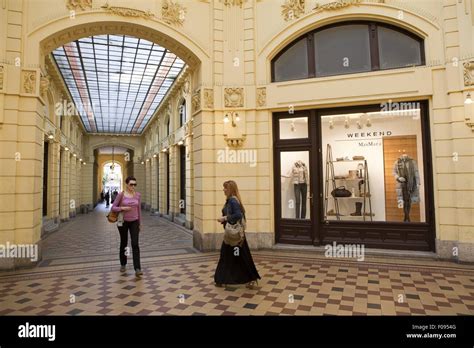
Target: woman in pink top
x=129 y=203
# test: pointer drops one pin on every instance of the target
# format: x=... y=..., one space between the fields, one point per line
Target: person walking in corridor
x=129 y=202
x=235 y=265
x=107 y=197
x=114 y=195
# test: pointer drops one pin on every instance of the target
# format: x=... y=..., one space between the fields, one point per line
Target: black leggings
x=133 y=226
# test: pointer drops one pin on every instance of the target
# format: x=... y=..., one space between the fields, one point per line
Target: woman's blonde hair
x=233 y=190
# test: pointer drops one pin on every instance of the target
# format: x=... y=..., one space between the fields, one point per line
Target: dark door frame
x=168 y=188
x=45 y=177
x=158 y=182
x=294 y=231
x=182 y=178
x=377 y=234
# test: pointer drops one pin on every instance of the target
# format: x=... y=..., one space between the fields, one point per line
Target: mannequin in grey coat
x=405 y=171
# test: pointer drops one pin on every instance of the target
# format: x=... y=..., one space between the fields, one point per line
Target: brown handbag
x=112 y=216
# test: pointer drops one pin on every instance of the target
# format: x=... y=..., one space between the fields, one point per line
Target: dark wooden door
x=168 y=188
x=182 y=179
x=45 y=178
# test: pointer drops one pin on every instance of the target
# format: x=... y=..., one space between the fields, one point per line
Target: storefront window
x=374 y=165
x=294 y=128
x=295 y=189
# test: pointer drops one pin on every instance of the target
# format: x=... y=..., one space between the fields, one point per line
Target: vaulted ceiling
x=116 y=81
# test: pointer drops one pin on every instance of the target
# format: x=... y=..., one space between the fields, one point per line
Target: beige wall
x=232 y=50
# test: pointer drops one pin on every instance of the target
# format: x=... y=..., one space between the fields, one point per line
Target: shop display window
x=293 y=128
x=295 y=185
x=373 y=166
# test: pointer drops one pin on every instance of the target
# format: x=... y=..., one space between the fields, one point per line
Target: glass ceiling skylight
x=117 y=81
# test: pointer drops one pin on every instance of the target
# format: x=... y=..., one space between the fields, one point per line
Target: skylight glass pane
x=117 y=82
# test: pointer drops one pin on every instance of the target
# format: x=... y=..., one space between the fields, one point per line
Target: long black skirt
x=235 y=265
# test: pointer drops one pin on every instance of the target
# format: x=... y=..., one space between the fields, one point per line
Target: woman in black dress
x=235 y=265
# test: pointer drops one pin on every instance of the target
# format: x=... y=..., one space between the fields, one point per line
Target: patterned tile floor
x=79 y=276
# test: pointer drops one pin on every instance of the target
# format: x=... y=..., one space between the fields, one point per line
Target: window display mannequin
x=405 y=171
x=299 y=175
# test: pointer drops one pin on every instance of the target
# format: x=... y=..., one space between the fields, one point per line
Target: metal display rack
x=364 y=195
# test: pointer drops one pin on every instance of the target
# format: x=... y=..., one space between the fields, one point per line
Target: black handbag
x=341 y=191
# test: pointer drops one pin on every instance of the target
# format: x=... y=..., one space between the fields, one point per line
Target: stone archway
x=126 y=160
x=40 y=41
x=45 y=38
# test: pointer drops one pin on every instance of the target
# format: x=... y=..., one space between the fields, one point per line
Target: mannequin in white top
x=299 y=174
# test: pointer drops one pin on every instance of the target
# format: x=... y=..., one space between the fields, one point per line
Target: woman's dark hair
x=127 y=180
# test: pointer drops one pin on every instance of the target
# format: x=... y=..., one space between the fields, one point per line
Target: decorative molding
x=2 y=72
x=235 y=142
x=208 y=98
x=469 y=73
x=79 y=4
x=173 y=13
x=29 y=81
x=336 y=5
x=233 y=97
x=292 y=9
x=186 y=86
x=233 y=2
x=45 y=84
x=171 y=138
x=128 y=12
x=188 y=128
x=168 y=111
x=196 y=101
x=262 y=96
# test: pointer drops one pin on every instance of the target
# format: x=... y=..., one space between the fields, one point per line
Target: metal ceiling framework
x=117 y=82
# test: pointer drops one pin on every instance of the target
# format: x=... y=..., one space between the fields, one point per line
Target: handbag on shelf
x=358 y=158
x=341 y=191
x=114 y=216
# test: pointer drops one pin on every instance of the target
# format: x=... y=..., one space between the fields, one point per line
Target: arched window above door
x=345 y=48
